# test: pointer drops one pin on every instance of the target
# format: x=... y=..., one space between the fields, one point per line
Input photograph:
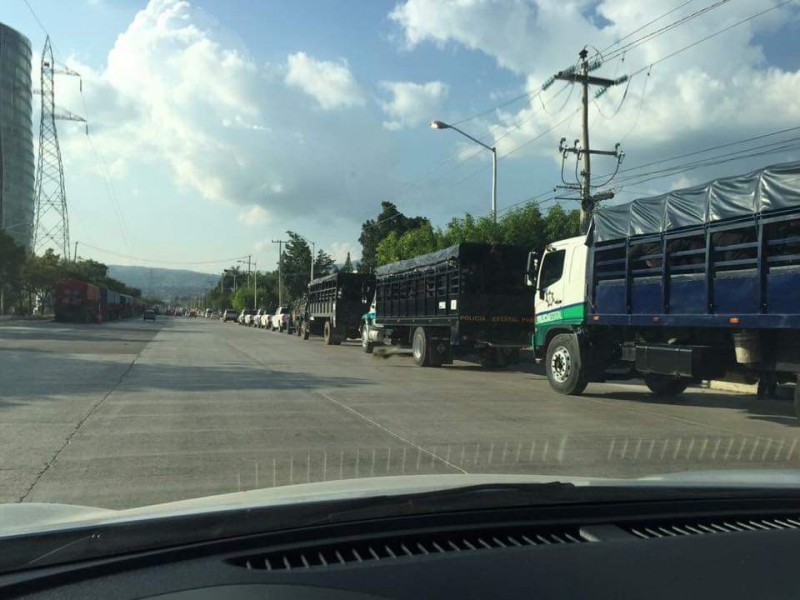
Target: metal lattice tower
x=52 y=219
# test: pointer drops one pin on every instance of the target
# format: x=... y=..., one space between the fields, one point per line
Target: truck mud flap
x=695 y=362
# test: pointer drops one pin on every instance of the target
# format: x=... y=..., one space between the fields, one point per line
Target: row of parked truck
x=81 y=302
x=701 y=283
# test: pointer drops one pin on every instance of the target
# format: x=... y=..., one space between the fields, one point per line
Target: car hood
x=16 y=519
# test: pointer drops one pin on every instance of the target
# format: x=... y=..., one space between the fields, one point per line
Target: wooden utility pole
x=584 y=152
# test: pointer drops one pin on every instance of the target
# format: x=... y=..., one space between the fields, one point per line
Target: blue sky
x=216 y=126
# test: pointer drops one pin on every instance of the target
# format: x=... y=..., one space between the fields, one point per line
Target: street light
x=280 y=269
x=492 y=149
x=313 y=250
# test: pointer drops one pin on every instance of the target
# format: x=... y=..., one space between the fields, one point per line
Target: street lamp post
x=492 y=149
x=280 y=270
x=313 y=251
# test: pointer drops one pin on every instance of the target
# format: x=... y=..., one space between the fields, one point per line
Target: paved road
x=133 y=413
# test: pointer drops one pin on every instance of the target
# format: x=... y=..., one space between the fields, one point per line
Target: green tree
x=418 y=241
x=560 y=224
x=243 y=299
x=375 y=230
x=12 y=257
x=296 y=267
x=323 y=264
x=347 y=267
x=40 y=275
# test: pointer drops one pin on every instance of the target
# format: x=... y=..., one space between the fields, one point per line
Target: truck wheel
x=797 y=398
x=327 y=334
x=366 y=345
x=563 y=365
x=487 y=357
x=420 y=347
x=664 y=386
x=512 y=356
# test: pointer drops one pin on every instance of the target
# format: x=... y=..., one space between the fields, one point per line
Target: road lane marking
x=392 y=433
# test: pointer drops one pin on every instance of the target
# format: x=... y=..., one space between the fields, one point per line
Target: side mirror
x=541 y=294
x=532 y=268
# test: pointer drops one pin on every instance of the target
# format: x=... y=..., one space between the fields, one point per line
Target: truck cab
x=560 y=292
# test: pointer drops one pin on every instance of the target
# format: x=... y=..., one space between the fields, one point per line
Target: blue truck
x=696 y=284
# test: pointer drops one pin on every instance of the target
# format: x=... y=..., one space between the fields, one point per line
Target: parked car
x=228 y=315
x=255 y=319
x=193 y=313
x=250 y=318
x=243 y=318
x=149 y=315
x=280 y=320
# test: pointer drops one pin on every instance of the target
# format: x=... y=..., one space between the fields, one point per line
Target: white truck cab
x=560 y=311
x=560 y=290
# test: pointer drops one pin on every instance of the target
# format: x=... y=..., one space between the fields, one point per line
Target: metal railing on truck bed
x=742 y=270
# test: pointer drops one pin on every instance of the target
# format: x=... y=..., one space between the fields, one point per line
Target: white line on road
x=392 y=433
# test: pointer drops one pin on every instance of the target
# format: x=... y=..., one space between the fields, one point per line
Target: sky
x=214 y=127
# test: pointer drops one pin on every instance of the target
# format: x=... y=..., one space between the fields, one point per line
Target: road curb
x=730 y=386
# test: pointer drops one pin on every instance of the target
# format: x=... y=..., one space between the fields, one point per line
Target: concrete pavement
x=132 y=413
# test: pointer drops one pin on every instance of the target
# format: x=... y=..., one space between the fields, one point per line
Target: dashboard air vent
x=709 y=526
x=390 y=548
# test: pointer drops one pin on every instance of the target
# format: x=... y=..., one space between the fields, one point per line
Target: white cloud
x=723 y=89
x=256 y=215
x=331 y=84
x=180 y=94
x=339 y=250
x=412 y=104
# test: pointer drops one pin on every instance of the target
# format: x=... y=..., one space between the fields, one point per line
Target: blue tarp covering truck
x=700 y=283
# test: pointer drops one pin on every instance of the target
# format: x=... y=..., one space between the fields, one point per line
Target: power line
x=669 y=27
x=766 y=149
x=708 y=149
x=521 y=146
x=106 y=180
x=638 y=29
x=712 y=35
x=164 y=262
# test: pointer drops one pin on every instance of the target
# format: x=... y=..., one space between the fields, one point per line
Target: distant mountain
x=164 y=284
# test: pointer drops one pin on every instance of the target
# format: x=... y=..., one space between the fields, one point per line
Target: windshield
x=595 y=207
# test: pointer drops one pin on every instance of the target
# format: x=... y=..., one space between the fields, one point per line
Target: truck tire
x=664 y=386
x=487 y=357
x=420 y=343
x=366 y=345
x=563 y=365
x=327 y=334
x=797 y=398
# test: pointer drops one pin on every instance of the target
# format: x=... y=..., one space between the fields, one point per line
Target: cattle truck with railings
x=469 y=298
x=696 y=284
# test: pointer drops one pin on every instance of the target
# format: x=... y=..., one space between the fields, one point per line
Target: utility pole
x=584 y=152
x=280 y=269
x=75 y=255
x=255 y=285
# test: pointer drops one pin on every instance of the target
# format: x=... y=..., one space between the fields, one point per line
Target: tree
x=12 y=257
x=347 y=267
x=374 y=230
x=40 y=275
x=560 y=224
x=296 y=267
x=243 y=299
x=415 y=242
x=324 y=264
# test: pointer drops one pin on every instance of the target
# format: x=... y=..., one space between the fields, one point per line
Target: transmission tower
x=52 y=219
